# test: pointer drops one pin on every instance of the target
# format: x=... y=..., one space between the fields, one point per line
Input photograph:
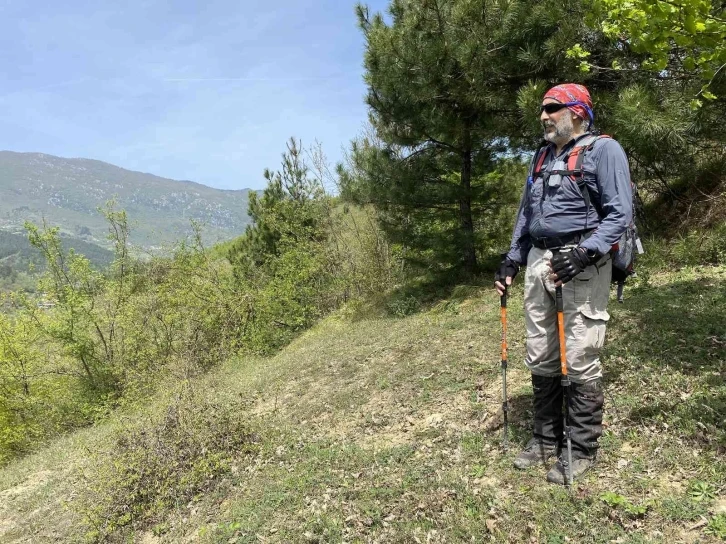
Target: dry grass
x=388 y=430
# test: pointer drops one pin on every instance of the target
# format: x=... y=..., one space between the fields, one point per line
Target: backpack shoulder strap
x=538 y=160
x=577 y=155
x=574 y=165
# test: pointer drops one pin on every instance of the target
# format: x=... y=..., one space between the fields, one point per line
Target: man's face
x=558 y=126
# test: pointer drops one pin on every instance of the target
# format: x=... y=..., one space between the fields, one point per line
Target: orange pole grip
x=561 y=329
x=504 y=333
x=563 y=349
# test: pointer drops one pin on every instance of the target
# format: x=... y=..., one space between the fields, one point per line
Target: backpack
x=625 y=250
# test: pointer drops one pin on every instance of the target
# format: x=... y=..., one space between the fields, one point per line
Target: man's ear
x=583 y=122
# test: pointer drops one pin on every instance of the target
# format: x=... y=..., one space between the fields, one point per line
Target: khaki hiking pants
x=585 y=301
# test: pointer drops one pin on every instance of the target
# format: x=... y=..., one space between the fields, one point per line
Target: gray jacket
x=561 y=209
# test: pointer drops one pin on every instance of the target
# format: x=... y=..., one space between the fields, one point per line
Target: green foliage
x=674 y=37
x=401 y=306
x=349 y=438
x=670 y=60
x=303 y=257
x=679 y=508
x=96 y=339
x=40 y=394
x=281 y=259
x=454 y=90
x=92 y=340
x=366 y=264
x=20 y=262
x=616 y=501
x=287 y=214
x=500 y=189
x=690 y=248
x=675 y=158
x=19 y=360
x=440 y=115
x=127 y=325
x=701 y=491
x=717 y=526
x=163 y=463
x=72 y=287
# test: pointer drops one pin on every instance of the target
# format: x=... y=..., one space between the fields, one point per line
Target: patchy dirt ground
x=389 y=430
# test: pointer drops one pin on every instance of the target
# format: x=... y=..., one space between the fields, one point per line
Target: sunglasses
x=552 y=107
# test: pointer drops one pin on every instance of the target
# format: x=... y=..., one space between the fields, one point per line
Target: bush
x=403 y=305
x=691 y=248
x=160 y=465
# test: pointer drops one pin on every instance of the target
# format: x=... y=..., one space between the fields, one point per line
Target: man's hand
x=505 y=275
x=566 y=265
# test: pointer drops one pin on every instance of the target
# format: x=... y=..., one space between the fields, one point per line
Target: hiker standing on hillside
x=564 y=241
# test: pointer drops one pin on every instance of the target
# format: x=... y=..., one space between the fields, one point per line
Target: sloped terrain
x=68 y=192
x=380 y=429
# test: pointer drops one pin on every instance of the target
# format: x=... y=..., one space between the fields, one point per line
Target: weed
x=717 y=526
x=478 y=471
x=702 y=491
x=616 y=501
x=677 y=509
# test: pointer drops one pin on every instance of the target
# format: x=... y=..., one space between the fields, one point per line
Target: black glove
x=568 y=264
x=507 y=268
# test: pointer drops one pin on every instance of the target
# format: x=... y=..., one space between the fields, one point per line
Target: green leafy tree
x=283 y=260
x=444 y=84
x=71 y=285
x=19 y=362
x=39 y=388
x=676 y=38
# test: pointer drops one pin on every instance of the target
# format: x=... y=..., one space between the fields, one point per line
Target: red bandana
x=571 y=92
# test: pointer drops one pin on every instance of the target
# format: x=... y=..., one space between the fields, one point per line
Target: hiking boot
x=558 y=472
x=536 y=452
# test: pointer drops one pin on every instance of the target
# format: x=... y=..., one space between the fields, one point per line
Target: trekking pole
x=505 y=404
x=565 y=380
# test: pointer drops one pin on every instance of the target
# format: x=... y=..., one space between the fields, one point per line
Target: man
x=564 y=241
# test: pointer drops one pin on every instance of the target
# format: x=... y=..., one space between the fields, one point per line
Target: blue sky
x=207 y=91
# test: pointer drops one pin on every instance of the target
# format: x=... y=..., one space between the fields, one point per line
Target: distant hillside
x=17 y=252
x=17 y=256
x=67 y=193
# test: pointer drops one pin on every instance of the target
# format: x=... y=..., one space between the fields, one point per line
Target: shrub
x=164 y=463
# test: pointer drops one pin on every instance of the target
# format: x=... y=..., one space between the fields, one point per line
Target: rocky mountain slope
x=68 y=192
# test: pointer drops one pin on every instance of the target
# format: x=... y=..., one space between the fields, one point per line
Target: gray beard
x=562 y=133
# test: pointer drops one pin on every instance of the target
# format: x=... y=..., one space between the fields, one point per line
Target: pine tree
x=448 y=82
x=289 y=213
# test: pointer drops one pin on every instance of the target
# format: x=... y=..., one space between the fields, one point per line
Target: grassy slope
x=388 y=430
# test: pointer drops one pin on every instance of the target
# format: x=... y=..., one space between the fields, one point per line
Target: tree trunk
x=465 y=219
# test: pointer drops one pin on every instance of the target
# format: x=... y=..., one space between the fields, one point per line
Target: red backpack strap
x=577 y=155
x=574 y=160
x=538 y=161
x=574 y=166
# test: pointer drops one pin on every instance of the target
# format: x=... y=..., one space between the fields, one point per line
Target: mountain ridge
x=40 y=154
x=67 y=192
